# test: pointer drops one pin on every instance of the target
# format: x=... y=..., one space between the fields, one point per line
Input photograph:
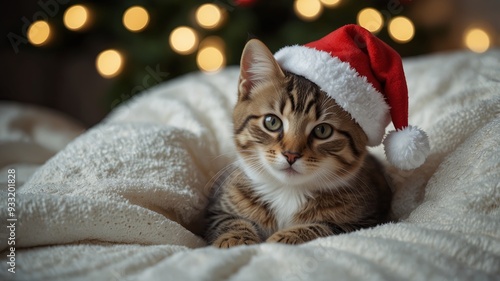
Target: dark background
x=62 y=75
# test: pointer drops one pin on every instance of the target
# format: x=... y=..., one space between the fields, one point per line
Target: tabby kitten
x=303 y=170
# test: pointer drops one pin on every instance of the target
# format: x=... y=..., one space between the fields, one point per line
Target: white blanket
x=124 y=200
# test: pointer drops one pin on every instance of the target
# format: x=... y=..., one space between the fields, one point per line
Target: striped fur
x=290 y=185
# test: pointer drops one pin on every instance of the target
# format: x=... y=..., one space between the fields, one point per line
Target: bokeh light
x=308 y=10
x=211 y=57
x=39 y=33
x=109 y=63
x=76 y=17
x=477 y=40
x=183 y=40
x=401 y=29
x=209 y=16
x=330 y=3
x=370 y=19
x=135 y=18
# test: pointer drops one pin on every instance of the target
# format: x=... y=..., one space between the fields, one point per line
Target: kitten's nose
x=291 y=157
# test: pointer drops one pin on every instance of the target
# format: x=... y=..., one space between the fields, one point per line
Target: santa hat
x=365 y=77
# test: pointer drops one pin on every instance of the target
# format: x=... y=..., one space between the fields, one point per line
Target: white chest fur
x=284 y=201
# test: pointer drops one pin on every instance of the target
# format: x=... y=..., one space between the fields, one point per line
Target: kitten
x=303 y=172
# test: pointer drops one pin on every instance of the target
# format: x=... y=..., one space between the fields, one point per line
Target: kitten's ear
x=257 y=65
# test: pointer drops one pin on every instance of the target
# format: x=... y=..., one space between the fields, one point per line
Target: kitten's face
x=288 y=131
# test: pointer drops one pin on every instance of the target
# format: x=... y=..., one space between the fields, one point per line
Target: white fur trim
x=406 y=149
x=341 y=82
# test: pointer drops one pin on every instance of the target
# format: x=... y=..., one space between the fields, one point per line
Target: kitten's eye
x=323 y=131
x=272 y=123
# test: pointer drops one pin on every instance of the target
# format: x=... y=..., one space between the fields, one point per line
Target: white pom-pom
x=407 y=148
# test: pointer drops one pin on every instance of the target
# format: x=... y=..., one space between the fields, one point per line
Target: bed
x=124 y=200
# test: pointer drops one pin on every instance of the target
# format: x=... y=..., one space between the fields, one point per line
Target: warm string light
x=209 y=16
x=109 y=63
x=477 y=40
x=370 y=19
x=308 y=10
x=183 y=40
x=135 y=18
x=211 y=57
x=401 y=29
x=39 y=33
x=76 y=17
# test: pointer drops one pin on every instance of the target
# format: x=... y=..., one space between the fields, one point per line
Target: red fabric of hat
x=373 y=59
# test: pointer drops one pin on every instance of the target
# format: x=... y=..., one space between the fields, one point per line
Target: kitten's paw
x=300 y=234
x=230 y=240
x=287 y=237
